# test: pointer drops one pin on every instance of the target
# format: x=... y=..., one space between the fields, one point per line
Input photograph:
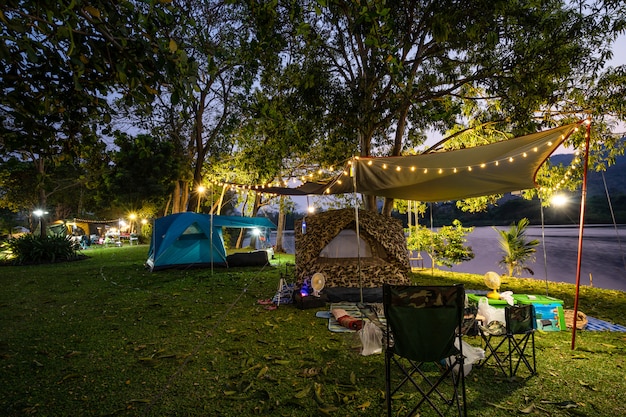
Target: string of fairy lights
x=386 y=163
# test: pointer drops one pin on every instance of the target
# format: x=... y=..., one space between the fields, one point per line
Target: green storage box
x=535 y=299
x=473 y=298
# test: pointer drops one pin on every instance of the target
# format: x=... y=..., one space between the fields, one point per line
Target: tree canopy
x=258 y=92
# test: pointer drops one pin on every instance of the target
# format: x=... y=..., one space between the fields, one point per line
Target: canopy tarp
x=500 y=167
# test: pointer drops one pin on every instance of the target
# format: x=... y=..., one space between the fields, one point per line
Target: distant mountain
x=615 y=176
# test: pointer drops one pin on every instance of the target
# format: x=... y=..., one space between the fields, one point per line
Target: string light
x=385 y=163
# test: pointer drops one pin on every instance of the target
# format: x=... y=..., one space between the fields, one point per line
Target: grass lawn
x=105 y=337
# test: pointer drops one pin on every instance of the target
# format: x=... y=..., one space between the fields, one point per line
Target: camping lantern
x=304 y=289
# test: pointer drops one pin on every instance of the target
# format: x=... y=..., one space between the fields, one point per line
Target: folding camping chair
x=423 y=346
x=512 y=345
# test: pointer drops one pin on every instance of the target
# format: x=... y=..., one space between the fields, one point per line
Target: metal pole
x=583 y=197
x=358 y=235
x=543 y=243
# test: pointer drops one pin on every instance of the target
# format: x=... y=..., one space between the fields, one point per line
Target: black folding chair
x=423 y=346
x=511 y=346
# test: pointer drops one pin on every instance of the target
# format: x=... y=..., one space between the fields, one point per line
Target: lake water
x=603 y=257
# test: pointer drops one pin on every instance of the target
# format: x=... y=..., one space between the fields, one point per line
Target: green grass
x=105 y=337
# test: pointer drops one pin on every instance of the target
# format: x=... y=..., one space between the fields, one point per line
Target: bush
x=31 y=249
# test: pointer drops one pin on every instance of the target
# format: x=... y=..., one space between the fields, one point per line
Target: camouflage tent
x=329 y=245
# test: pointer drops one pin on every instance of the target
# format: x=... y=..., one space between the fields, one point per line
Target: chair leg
x=518 y=347
x=388 y=381
x=426 y=387
x=492 y=351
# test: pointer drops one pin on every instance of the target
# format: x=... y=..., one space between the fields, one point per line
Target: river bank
x=603 y=263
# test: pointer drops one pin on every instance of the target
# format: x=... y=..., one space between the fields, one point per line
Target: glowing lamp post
x=559 y=200
x=39 y=213
x=132 y=217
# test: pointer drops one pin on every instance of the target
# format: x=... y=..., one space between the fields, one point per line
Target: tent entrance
x=343 y=246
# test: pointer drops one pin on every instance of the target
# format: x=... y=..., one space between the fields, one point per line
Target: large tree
x=60 y=64
x=405 y=66
x=199 y=120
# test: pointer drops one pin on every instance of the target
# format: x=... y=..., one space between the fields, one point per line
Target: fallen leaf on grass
x=309 y=372
x=528 y=410
x=363 y=406
x=68 y=376
x=561 y=404
x=328 y=410
x=317 y=393
x=501 y=407
x=139 y=400
x=587 y=385
x=262 y=372
x=303 y=393
x=149 y=361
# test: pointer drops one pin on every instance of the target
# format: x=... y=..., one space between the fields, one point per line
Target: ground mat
x=353 y=310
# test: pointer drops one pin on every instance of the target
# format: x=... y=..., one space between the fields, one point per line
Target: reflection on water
x=603 y=260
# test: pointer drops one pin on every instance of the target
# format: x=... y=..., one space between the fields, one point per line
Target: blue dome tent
x=192 y=239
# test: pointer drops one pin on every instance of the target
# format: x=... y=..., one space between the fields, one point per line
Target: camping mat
x=352 y=310
x=594 y=324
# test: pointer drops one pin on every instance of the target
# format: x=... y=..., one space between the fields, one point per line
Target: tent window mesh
x=193 y=232
x=344 y=246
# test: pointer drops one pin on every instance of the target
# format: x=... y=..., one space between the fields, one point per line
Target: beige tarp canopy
x=499 y=167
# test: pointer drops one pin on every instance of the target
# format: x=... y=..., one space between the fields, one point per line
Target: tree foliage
x=444 y=246
x=401 y=67
x=271 y=89
x=60 y=63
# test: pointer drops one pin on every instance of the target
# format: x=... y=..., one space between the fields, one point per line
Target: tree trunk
x=176 y=198
x=396 y=151
x=184 y=198
x=280 y=226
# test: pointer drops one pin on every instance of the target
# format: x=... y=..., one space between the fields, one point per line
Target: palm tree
x=518 y=250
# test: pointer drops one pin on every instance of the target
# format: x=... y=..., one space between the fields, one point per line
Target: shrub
x=446 y=246
x=31 y=249
x=518 y=249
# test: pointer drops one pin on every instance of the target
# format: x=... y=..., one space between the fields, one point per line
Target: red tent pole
x=580 y=230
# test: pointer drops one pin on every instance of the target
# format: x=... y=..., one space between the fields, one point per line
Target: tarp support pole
x=543 y=244
x=358 y=233
x=211 y=237
x=583 y=197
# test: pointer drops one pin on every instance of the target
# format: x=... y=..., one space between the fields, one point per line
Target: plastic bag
x=490 y=313
x=371 y=339
x=471 y=355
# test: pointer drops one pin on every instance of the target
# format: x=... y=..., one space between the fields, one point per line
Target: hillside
x=615 y=176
